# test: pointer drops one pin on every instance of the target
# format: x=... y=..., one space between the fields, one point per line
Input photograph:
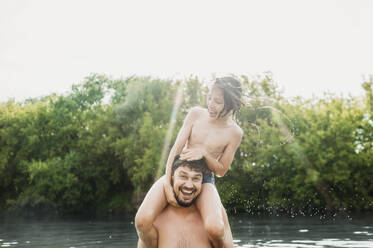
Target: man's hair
x=195 y=165
x=232 y=92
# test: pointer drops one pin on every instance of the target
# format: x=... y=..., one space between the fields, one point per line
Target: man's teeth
x=185 y=191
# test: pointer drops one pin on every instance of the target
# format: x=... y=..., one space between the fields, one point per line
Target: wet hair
x=195 y=165
x=232 y=92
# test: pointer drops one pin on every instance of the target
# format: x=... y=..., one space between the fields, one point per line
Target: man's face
x=187 y=185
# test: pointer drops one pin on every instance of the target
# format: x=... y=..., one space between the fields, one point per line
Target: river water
x=248 y=231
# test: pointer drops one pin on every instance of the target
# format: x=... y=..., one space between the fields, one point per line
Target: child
x=211 y=134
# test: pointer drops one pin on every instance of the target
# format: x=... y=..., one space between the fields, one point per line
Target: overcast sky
x=309 y=46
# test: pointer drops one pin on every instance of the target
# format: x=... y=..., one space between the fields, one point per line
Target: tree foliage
x=98 y=149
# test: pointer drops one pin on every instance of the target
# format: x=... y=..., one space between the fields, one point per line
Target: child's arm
x=176 y=149
x=221 y=166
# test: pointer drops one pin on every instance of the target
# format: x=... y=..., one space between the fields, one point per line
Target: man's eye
x=183 y=177
x=196 y=179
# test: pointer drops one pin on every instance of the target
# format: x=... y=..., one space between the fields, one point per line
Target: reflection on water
x=304 y=232
x=67 y=233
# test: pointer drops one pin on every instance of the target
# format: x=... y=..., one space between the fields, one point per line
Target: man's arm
x=140 y=244
x=147 y=240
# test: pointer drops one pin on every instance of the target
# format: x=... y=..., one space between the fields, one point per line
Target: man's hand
x=192 y=154
x=169 y=192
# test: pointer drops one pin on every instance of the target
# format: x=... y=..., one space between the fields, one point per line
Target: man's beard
x=185 y=204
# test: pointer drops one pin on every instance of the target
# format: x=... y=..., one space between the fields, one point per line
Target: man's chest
x=182 y=233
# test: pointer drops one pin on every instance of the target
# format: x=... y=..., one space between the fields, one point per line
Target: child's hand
x=169 y=192
x=191 y=154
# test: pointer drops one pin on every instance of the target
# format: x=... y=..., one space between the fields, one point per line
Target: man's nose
x=189 y=184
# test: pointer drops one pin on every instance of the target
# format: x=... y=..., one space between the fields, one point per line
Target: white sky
x=310 y=46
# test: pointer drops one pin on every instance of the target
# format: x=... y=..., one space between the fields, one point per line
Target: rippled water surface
x=306 y=232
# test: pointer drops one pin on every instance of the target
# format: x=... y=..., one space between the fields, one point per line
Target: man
x=182 y=227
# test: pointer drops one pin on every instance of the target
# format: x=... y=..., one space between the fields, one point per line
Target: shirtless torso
x=213 y=136
x=181 y=228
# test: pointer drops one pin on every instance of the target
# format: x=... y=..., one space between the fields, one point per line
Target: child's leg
x=228 y=233
x=154 y=202
x=211 y=209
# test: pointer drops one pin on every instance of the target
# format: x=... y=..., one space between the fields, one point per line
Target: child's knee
x=214 y=227
x=144 y=220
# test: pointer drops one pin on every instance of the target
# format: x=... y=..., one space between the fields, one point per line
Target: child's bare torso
x=213 y=137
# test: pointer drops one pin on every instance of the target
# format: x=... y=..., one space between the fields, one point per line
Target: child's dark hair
x=196 y=165
x=232 y=91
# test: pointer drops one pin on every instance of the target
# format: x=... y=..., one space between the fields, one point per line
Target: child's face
x=215 y=102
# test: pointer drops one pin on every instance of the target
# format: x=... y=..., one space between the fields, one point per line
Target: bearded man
x=182 y=227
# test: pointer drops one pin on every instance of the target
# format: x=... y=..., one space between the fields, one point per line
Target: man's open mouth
x=187 y=192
